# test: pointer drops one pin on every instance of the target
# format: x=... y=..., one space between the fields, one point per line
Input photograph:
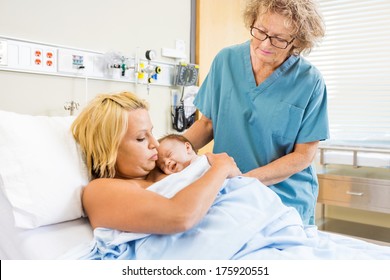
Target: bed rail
x=356 y=152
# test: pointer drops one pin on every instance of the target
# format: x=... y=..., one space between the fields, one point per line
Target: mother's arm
x=125 y=205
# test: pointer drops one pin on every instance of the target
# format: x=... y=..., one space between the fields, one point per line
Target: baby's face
x=173 y=156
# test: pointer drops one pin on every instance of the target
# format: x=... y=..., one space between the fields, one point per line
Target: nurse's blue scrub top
x=259 y=124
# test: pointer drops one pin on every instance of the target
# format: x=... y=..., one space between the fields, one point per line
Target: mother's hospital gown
x=259 y=124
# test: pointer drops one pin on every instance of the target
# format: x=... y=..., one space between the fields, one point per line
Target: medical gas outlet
x=151 y=70
x=35 y=57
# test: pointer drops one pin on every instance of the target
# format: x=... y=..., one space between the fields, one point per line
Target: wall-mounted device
x=151 y=70
x=41 y=58
x=186 y=75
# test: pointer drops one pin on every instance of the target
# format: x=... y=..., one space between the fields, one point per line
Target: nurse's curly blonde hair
x=99 y=129
x=302 y=16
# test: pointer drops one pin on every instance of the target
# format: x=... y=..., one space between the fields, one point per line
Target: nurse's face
x=263 y=51
x=137 y=152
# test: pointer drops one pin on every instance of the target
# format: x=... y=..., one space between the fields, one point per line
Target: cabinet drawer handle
x=355 y=193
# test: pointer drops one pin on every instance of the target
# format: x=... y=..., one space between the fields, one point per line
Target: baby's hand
x=224 y=162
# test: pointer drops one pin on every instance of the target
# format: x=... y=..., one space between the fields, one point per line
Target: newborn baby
x=175 y=153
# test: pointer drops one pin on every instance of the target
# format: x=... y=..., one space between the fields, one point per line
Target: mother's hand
x=224 y=162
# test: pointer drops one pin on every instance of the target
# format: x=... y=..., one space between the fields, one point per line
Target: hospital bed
x=43 y=243
x=42 y=174
x=41 y=178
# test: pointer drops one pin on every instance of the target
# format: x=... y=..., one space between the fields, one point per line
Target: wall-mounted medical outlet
x=42 y=58
x=50 y=59
x=3 y=52
x=77 y=61
x=70 y=61
x=36 y=57
x=31 y=57
x=80 y=63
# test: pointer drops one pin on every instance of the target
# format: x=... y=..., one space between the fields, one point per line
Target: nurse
x=265 y=105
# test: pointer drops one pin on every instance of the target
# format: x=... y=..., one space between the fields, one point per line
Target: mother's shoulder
x=110 y=183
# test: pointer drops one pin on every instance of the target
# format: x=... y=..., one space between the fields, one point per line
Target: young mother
x=115 y=135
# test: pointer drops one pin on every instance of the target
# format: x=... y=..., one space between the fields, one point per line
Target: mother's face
x=137 y=152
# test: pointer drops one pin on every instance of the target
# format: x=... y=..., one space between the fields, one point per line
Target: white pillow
x=41 y=169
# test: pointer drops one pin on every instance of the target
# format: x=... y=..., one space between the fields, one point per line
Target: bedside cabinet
x=357 y=189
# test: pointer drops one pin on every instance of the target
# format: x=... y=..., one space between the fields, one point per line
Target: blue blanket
x=246 y=221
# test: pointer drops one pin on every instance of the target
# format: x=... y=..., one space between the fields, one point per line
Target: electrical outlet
x=50 y=60
x=3 y=52
x=36 y=57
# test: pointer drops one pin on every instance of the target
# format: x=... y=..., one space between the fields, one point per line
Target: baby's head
x=174 y=153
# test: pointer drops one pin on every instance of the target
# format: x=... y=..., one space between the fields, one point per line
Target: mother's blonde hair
x=100 y=128
x=302 y=16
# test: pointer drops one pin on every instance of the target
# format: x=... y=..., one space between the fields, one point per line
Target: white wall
x=102 y=26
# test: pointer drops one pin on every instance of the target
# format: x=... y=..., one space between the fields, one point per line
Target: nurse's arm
x=282 y=168
x=200 y=133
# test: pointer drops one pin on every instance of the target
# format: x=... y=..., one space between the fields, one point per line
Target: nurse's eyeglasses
x=275 y=41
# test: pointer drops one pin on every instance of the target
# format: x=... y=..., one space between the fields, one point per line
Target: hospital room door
x=219 y=24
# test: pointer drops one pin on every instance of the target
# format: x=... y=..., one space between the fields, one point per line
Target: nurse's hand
x=224 y=162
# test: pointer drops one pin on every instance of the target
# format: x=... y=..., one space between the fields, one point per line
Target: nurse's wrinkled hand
x=224 y=162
